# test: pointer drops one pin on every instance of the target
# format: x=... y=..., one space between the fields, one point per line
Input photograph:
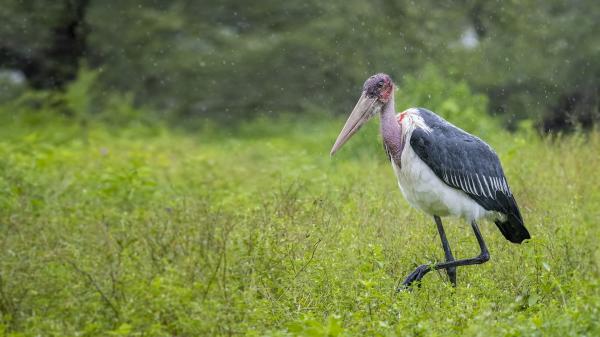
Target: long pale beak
x=361 y=113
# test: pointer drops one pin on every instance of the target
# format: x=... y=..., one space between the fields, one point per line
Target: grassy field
x=145 y=231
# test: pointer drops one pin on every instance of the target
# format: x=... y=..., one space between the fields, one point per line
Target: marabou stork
x=441 y=170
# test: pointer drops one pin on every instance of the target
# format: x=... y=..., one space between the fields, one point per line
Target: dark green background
x=230 y=60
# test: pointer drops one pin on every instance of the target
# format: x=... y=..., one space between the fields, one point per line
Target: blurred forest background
x=230 y=60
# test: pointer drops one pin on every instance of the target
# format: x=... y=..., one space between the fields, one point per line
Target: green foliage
x=28 y=21
x=78 y=95
x=539 y=65
x=228 y=61
x=80 y=101
x=452 y=100
x=135 y=230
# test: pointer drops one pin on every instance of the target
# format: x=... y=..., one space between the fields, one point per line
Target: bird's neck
x=391 y=130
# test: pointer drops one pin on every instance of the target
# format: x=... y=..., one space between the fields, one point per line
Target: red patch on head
x=385 y=95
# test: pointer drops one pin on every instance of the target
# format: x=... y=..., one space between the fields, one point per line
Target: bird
x=441 y=170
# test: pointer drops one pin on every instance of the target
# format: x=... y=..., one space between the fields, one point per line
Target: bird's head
x=377 y=91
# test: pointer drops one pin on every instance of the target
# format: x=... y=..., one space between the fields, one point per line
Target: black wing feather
x=467 y=163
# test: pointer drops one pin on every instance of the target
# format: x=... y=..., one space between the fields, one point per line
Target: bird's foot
x=415 y=276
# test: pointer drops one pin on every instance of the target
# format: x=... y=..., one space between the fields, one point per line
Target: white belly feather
x=424 y=190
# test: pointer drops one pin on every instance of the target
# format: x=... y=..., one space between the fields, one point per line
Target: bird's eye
x=380 y=84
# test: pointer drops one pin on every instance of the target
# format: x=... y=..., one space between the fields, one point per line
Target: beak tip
x=359 y=115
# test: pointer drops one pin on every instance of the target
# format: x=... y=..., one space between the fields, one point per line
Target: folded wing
x=465 y=162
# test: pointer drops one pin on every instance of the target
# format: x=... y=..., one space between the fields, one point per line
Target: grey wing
x=465 y=162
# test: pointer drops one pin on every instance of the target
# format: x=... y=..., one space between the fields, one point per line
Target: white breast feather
x=423 y=189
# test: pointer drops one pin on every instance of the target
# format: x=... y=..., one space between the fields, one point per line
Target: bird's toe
x=415 y=276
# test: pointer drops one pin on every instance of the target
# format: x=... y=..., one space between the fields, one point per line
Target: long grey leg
x=449 y=258
x=424 y=269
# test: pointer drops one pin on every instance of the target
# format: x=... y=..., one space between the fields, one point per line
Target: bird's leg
x=484 y=256
x=449 y=258
x=424 y=269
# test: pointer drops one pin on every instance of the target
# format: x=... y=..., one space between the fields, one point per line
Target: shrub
x=454 y=101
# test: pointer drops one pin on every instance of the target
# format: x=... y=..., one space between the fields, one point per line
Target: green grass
x=144 y=231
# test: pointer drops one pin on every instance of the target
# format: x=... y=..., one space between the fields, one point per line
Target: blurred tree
x=230 y=60
x=45 y=41
x=535 y=59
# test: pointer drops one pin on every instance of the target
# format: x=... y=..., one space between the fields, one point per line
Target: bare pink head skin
x=379 y=86
x=377 y=96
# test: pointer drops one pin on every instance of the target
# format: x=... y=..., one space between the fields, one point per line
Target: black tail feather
x=513 y=229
